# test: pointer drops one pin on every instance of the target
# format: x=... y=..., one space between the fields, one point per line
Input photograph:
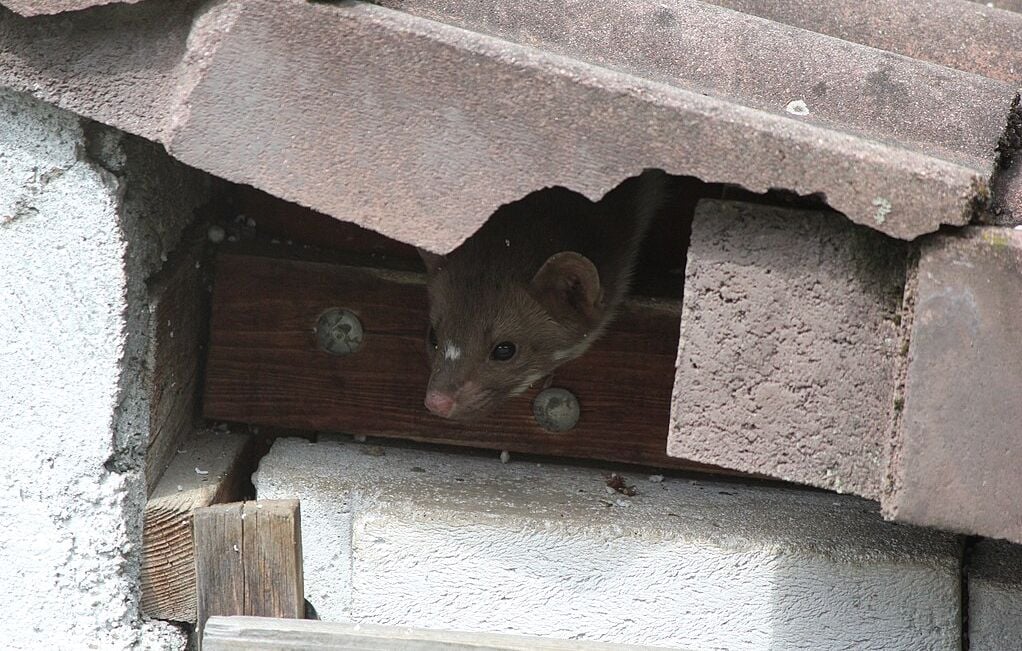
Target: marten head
x=500 y=322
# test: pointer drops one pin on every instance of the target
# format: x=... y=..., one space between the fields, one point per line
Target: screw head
x=339 y=332
x=556 y=409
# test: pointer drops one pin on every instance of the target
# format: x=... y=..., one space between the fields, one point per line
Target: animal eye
x=432 y=338
x=503 y=351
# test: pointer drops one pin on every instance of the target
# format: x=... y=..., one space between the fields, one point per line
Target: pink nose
x=439 y=403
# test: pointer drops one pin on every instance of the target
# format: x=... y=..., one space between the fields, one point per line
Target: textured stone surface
x=951 y=33
x=419 y=538
x=122 y=65
x=957 y=460
x=994 y=573
x=683 y=42
x=79 y=235
x=788 y=342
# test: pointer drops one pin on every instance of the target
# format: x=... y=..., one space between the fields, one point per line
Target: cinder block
x=994 y=573
x=86 y=218
x=789 y=337
x=417 y=538
x=957 y=456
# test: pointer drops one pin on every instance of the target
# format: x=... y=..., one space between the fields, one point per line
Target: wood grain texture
x=248 y=560
x=267 y=634
x=274 y=583
x=178 y=306
x=264 y=366
x=210 y=468
x=219 y=566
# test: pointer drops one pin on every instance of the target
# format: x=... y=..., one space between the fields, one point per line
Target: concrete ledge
x=412 y=538
x=789 y=337
x=995 y=597
x=268 y=633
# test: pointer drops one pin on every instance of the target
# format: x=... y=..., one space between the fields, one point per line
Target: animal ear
x=432 y=260
x=568 y=286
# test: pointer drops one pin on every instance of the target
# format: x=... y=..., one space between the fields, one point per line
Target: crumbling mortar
x=892 y=481
x=1010 y=142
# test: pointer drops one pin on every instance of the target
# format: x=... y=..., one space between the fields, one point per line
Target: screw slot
x=556 y=410
x=339 y=332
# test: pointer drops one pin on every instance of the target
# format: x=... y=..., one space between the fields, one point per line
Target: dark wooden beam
x=264 y=366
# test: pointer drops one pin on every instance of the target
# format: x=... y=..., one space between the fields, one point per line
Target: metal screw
x=556 y=410
x=339 y=332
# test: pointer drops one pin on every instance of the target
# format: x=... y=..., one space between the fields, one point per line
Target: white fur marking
x=573 y=352
x=451 y=351
x=526 y=383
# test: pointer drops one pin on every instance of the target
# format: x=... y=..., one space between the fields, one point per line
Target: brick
x=789 y=337
x=410 y=537
x=957 y=457
x=994 y=573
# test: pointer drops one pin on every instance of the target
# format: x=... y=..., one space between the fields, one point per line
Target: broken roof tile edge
x=50 y=7
x=570 y=123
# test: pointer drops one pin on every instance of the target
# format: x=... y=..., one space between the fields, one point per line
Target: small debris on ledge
x=618 y=484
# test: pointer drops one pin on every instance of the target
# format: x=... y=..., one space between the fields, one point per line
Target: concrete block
x=409 y=537
x=956 y=459
x=789 y=337
x=994 y=572
x=86 y=216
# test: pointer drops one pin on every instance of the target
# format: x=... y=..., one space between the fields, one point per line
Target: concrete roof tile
x=419 y=122
x=49 y=7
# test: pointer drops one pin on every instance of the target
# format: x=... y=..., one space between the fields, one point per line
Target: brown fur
x=546 y=273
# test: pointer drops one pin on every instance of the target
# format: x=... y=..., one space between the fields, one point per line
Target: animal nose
x=439 y=403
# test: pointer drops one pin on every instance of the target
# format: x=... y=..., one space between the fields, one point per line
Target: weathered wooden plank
x=264 y=366
x=272 y=555
x=175 y=324
x=248 y=560
x=219 y=566
x=260 y=633
x=208 y=468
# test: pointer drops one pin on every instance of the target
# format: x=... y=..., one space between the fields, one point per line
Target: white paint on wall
x=439 y=540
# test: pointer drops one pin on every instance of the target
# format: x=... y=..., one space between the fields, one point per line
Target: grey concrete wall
x=419 y=538
x=86 y=216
